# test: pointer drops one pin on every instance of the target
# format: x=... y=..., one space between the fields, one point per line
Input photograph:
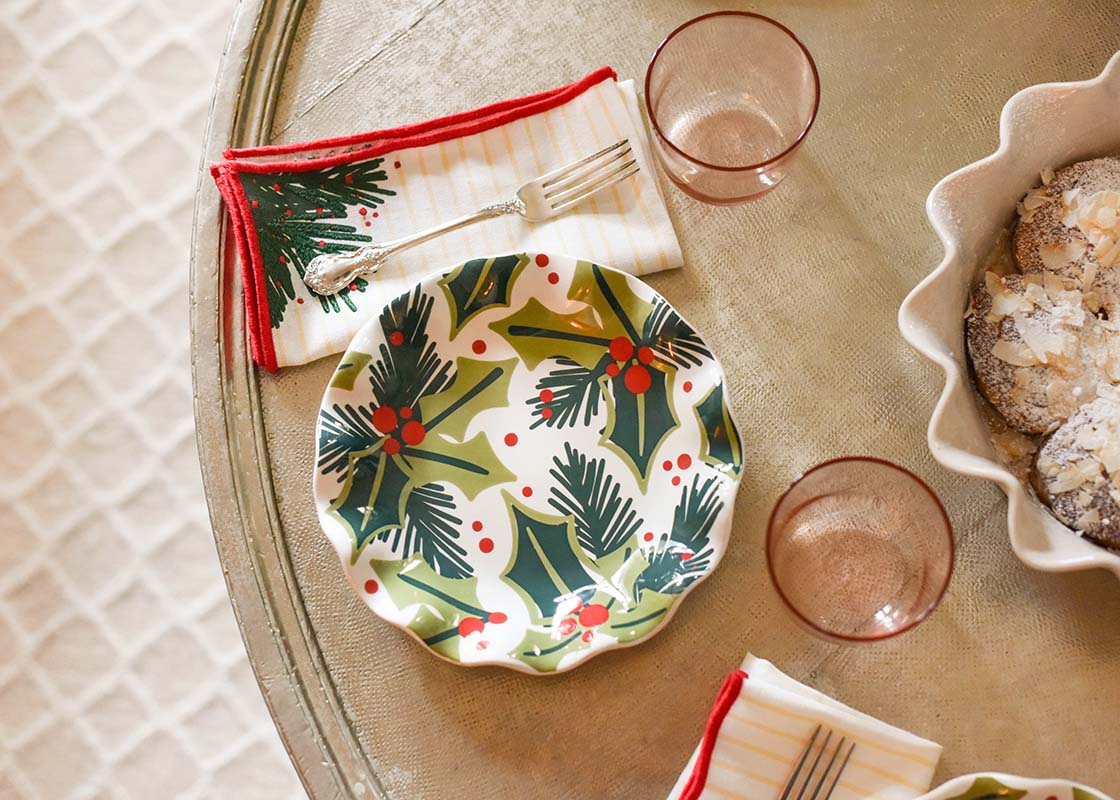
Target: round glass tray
x=797 y=294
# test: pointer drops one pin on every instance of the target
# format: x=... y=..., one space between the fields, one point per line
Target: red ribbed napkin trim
x=732 y=685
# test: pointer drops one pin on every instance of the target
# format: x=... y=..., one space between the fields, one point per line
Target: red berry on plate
x=527 y=491
x=684 y=461
x=511 y=439
x=397 y=338
x=476 y=526
x=567 y=625
x=553 y=278
x=385 y=419
x=685 y=556
x=637 y=379
x=479 y=347
x=486 y=544
x=497 y=617
x=676 y=480
x=541 y=259
x=621 y=348
x=648 y=537
x=391 y=447
x=471 y=625
x=405 y=412
x=688 y=386
x=612 y=370
x=546 y=413
x=413 y=432
x=645 y=354
x=546 y=395
x=592 y=615
x=588 y=636
x=371 y=586
x=667 y=466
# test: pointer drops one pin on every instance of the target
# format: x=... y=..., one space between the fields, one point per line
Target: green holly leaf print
x=585 y=491
x=545 y=647
x=480 y=284
x=432 y=530
x=677 y=560
x=639 y=417
x=609 y=293
x=538 y=333
x=571 y=393
x=372 y=498
x=1081 y=794
x=987 y=788
x=349 y=369
x=443 y=609
x=547 y=565
x=720 y=444
x=470 y=466
x=478 y=385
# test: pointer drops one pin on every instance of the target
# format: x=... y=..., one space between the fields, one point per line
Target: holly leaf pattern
x=349 y=369
x=372 y=498
x=637 y=423
x=538 y=333
x=547 y=565
x=720 y=445
x=477 y=385
x=433 y=605
x=988 y=788
x=479 y=284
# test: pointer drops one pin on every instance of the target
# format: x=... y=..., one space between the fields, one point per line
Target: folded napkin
x=289 y=203
x=762 y=720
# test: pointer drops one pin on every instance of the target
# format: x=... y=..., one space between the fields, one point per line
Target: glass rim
x=930 y=607
x=746 y=168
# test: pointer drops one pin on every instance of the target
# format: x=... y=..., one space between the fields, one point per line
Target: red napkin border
x=343 y=150
x=728 y=693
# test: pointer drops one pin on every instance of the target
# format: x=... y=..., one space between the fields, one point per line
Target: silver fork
x=536 y=201
x=813 y=775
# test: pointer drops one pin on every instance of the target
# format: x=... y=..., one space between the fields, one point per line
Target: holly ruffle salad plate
x=526 y=461
x=997 y=786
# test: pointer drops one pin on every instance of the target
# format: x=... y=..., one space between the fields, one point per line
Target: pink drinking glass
x=731 y=96
x=859 y=549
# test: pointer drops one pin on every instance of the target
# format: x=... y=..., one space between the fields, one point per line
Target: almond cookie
x=1027 y=340
x=1070 y=226
x=1077 y=472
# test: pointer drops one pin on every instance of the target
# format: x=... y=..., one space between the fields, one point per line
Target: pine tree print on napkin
x=296 y=216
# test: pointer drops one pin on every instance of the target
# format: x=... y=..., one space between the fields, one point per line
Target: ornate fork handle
x=330 y=273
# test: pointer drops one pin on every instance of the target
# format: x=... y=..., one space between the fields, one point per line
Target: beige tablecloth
x=798 y=294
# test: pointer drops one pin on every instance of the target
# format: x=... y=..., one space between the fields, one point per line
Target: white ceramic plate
x=526 y=461
x=997 y=786
x=1049 y=125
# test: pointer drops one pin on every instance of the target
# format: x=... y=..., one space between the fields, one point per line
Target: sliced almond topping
x=1087 y=520
x=1075 y=475
x=1047 y=175
x=1004 y=300
x=1059 y=256
x=1016 y=353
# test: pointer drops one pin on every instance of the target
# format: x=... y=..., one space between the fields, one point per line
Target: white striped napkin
x=288 y=203
x=760 y=724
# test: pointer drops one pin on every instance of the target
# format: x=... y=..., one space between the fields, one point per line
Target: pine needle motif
x=409 y=367
x=592 y=497
x=296 y=216
x=572 y=394
x=431 y=529
x=346 y=431
x=678 y=559
x=673 y=338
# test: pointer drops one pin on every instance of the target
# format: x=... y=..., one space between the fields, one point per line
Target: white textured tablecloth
x=122 y=673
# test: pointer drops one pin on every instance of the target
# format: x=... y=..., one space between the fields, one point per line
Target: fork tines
x=818 y=774
x=568 y=185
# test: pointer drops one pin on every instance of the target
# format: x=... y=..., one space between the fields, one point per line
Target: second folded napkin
x=760 y=724
x=289 y=203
